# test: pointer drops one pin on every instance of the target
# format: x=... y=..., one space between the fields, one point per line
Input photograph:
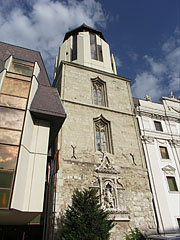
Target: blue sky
x=143 y=35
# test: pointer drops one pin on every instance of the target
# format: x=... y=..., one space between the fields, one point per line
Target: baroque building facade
x=99 y=142
x=159 y=125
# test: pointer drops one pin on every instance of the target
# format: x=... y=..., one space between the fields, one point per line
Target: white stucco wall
x=167 y=202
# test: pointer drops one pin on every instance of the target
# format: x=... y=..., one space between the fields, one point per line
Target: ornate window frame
x=103 y=136
x=99 y=92
x=111 y=189
x=169 y=172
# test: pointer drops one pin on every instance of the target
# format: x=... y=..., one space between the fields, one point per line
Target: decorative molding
x=169 y=170
x=158 y=116
x=106 y=166
x=148 y=139
x=162 y=141
x=174 y=142
x=111 y=189
x=152 y=115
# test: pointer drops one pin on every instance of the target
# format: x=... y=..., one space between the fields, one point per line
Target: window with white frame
x=158 y=126
x=164 y=152
x=172 y=183
x=169 y=172
x=103 y=136
x=99 y=92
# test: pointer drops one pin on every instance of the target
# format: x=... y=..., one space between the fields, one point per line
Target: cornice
x=97 y=106
x=95 y=70
x=158 y=116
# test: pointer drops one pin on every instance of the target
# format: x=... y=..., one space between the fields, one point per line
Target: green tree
x=85 y=219
x=135 y=235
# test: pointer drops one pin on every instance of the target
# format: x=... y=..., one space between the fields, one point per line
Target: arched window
x=99 y=92
x=103 y=135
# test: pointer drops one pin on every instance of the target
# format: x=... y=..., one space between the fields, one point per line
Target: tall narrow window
x=172 y=183
x=164 y=152
x=74 y=50
x=96 y=49
x=103 y=135
x=178 y=220
x=99 y=92
x=99 y=53
x=93 y=46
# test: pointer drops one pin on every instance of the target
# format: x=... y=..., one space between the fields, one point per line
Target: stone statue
x=108 y=198
x=148 y=98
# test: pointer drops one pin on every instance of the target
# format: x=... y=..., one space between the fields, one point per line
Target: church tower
x=99 y=142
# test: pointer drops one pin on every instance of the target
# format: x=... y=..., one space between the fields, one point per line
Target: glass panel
x=93 y=46
x=15 y=87
x=99 y=96
x=100 y=56
x=164 y=152
x=98 y=140
x=74 y=50
x=11 y=118
x=8 y=157
x=18 y=76
x=18 y=66
x=102 y=142
x=158 y=126
x=11 y=101
x=9 y=136
x=6 y=179
x=172 y=184
x=4 y=198
x=95 y=95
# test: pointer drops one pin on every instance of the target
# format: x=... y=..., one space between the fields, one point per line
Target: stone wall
x=77 y=169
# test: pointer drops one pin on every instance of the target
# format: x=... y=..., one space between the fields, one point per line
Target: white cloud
x=118 y=61
x=41 y=24
x=162 y=74
x=157 y=68
x=133 y=56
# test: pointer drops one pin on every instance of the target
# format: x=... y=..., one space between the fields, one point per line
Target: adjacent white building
x=159 y=125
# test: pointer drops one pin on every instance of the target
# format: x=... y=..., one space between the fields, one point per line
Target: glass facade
x=13 y=102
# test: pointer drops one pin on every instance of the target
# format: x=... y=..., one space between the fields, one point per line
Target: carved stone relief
x=110 y=188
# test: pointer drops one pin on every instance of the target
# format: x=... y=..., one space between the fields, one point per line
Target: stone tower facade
x=99 y=142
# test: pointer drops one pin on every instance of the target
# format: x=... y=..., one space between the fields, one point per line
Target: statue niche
x=111 y=189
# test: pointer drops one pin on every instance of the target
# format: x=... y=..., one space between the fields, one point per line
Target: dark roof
x=83 y=28
x=46 y=103
x=7 y=50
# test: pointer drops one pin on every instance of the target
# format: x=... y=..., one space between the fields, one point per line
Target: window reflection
x=12 y=101
x=6 y=179
x=8 y=157
x=21 y=67
x=15 y=87
x=11 y=118
x=10 y=137
x=4 y=198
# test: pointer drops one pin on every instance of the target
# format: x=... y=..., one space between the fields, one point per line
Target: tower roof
x=83 y=28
